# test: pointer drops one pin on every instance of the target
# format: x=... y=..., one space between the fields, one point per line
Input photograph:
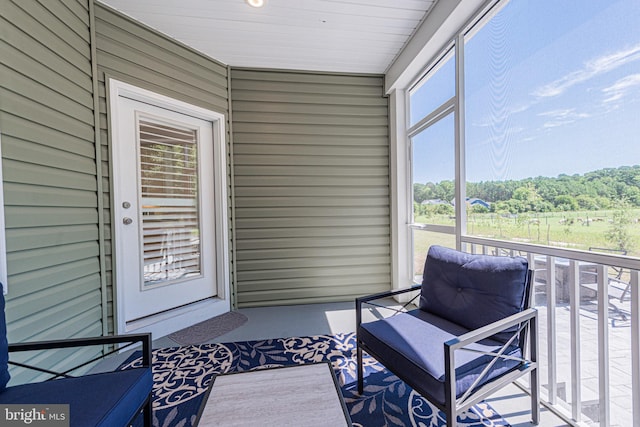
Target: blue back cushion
x=4 y=346
x=473 y=290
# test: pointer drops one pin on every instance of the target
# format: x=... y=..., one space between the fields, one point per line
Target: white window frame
x=443 y=29
x=450 y=106
x=400 y=183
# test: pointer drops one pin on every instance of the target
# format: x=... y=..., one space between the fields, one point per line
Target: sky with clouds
x=551 y=87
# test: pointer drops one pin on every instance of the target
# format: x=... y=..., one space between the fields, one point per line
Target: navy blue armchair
x=102 y=399
x=472 y=333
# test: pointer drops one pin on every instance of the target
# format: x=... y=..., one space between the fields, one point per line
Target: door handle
x=126 y=220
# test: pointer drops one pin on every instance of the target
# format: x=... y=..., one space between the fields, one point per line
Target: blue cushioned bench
x=103 y=399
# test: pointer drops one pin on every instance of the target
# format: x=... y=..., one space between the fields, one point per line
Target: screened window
x=539 y=147
x=551 y=124
x=432 y=153
x=434 y=89
x=433 y=167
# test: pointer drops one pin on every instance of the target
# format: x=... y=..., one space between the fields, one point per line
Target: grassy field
x=575 y=230
x=422 y=240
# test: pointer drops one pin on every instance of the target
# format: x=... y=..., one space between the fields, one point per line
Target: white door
x=164 y=208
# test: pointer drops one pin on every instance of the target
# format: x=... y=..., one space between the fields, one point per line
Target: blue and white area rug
x=182 y=374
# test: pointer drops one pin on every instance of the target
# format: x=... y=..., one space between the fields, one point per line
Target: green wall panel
x=50 y=175
x=311 y=183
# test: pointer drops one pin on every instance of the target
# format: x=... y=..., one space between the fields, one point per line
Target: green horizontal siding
x=45 y=115
x=49 y=171
x=46 y=136
x=311 y=183
x=310 y=169
x=281 y=138
x=40 y=237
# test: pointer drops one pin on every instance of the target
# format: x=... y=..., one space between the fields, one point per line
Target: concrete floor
x=319 y=319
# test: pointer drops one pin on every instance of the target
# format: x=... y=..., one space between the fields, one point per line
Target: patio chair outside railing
x=617 y=290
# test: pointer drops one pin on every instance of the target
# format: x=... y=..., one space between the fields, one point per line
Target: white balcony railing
x=589 y=310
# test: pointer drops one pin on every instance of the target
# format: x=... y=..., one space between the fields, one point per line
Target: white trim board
x=3 y=239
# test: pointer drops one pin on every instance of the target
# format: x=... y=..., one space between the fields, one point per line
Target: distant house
x=474 y=201
x=435 y=202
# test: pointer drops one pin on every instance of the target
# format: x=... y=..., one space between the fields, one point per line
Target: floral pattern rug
x=182 y=374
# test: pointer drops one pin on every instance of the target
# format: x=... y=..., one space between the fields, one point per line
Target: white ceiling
x=359 y=36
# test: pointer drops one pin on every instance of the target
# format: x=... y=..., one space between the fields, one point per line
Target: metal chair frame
x=527 y=323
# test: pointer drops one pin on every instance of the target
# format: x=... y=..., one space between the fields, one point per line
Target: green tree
x=619 y=233
x=565 y=202
x=442 y=209
x=587 y=202
x=529 y=199
x=479 y=209
x=421 y=192
x=445 y=190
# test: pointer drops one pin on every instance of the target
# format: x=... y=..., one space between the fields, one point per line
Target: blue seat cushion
x=105 y=399
x=473 y=290
x=412 y=346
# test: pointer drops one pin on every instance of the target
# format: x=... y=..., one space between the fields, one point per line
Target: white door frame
x=171 y=321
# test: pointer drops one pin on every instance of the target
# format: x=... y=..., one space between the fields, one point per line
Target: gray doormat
x=203 y=332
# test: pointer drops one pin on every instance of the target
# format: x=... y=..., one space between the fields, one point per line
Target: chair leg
x=535 y=396
x=452 y=416
x=360 y=369
x=148 y=413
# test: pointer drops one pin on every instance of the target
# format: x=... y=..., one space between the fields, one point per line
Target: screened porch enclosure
x=339 y=179
x=510 y=132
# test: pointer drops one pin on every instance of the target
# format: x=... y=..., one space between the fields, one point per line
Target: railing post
x=603 y=345
x=635 y=345
x=552 y=377
x=574 y=303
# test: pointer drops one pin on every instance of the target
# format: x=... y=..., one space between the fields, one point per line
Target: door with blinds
x=164 y=208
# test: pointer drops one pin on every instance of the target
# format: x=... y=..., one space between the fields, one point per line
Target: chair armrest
x=380 y=295
x=528 y=316
x=145 y=339
x=386 y=294
x=491 y=329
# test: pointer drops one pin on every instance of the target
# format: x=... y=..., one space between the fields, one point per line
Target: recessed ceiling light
x=256 y=3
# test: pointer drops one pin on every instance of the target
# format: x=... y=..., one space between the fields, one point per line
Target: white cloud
x=557 y=123
x=621 y=88
x=556 y=113
x=566 y=114
x=591 y=69
x=562 y=117
x=490 y=121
